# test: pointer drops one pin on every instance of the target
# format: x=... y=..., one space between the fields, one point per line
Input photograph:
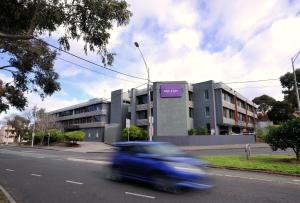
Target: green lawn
x=267 y=162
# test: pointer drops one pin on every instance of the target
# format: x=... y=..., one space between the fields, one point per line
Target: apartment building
x=178 y=106
x=90 y=117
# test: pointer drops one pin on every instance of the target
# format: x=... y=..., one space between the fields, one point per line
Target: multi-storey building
x=89 y=117
x=178 y=106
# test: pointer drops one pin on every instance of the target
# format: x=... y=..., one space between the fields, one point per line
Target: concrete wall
x=112 y=133
x=202 y=140
x=170 y=114
x=200 y=103
x=94 y=134
x=118 y=109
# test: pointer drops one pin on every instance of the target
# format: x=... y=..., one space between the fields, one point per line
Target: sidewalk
x=100 y=147
x=230 y=146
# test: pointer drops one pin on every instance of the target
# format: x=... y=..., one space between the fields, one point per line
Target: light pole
x=33 y=131
x=293 y=59
x=149 y=95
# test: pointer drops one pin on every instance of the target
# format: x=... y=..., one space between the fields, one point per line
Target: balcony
x=141 y=122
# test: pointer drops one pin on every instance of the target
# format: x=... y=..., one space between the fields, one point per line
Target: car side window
x=132 y=149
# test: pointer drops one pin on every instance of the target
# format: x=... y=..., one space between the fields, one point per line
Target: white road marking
x=296 y=180
x=28 y=151
x=139 y=195
x=293 y=183
x=37 y=175
x=58 y=159
x=89 y=161
x=40 y=157
x=10 y=170
x=74 y=182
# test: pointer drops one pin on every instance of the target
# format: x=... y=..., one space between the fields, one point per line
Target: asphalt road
x=40 y=176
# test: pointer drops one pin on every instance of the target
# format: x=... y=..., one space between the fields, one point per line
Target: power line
x=250 y=81
x=95 y=71
x=128 y=75
x=256 y=87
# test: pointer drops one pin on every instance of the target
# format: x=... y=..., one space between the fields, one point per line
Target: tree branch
x=15 y=37
x=33 y=19
x=4 y=67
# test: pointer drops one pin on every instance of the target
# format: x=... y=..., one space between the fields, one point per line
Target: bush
x=74 y=136
x=285 y=136
x=135 y=133
x=203 y=131
x=55 y=135
x=192 y=131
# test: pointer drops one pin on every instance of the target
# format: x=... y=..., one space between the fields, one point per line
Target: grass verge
x=265 y=162
x=3 y=198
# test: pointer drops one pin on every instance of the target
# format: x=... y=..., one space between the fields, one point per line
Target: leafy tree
x=192 y=131
x=285 y=136
x=288 y=85
x=280 y=112
x=264 y=103
x=135 y=133
x=74 y=136
x=20 y=125
x=30 y=60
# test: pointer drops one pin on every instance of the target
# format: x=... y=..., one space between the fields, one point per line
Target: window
x=191 y=112
x=228 y=113
x=141 y=114
x=206 y=95
x=228 y=97
x=142 y=99
x=207 y=113
x=191 y=95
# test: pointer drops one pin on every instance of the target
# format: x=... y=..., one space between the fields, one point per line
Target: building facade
x=178 y=106
x=7 y=134
x=90 y=117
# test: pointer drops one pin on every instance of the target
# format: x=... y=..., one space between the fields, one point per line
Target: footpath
x=100 y=147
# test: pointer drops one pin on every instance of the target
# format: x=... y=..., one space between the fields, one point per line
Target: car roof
x=134 y=143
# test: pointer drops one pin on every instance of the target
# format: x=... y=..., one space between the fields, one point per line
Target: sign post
x=128 y=127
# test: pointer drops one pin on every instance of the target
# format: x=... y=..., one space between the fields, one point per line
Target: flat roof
x=83 y=104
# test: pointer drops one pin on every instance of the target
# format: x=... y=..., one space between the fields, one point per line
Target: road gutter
x=7 y=195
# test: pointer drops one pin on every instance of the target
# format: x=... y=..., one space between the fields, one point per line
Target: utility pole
x=293 y=59
x=33 y=131
x=150 y=127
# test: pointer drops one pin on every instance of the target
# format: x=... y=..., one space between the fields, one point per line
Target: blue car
x=158 y=163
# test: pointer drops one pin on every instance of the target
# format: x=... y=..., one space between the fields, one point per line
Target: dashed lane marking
x=74 y=182
x=10 y=170
x=140 y=195
x=37 y=175
x=89 y=161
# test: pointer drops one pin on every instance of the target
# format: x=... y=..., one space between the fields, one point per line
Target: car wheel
x=164 y=183
x=114 y=174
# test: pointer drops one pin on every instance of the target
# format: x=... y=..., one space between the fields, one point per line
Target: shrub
x=55 y=135
x=192 y=131
x=203 y=131
x=74 y=136
x=135 y=133
x=285 y=136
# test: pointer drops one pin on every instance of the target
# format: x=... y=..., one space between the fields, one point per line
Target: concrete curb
x=7 y=195
x=254 y=170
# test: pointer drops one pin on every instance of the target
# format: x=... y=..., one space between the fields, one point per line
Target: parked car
x=158 y=163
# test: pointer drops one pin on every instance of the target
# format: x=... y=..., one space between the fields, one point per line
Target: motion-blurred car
x=158 y=163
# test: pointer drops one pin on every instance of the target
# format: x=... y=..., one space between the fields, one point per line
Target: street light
x=293 y=59
x=149 y=94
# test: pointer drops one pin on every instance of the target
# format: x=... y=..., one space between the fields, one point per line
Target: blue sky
x=188 y=40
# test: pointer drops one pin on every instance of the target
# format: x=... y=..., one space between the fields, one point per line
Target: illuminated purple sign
x=170 y=90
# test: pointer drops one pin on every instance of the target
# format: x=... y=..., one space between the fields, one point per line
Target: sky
x=191 y=40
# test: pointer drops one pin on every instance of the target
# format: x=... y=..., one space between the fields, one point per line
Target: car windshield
x=164 y=150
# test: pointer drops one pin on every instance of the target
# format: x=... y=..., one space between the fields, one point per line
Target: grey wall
x=118 y=109
x=112 y=133
x=200 y=103
x=94 y=134
x=170 y=114
x=204 y=140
